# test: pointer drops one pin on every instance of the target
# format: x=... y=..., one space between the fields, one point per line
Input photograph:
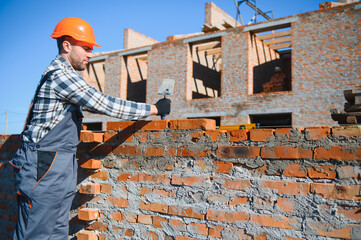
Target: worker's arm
x=71 y=87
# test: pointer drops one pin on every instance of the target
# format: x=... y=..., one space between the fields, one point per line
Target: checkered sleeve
x=69 y=86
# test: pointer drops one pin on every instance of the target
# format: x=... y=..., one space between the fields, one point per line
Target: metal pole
x=6 y=122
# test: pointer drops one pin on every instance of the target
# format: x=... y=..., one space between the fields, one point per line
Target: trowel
x=166 y=89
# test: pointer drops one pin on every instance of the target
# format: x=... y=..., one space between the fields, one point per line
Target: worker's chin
x=80 y=67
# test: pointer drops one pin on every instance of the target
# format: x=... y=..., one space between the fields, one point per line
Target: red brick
x=215 y=134
x=317 y=133
x=237 y=184
x=88 y=214
x=185 y=212
x=215 y=231
x=106 y=188
x=323 y=172
x=333 y=191
x=92 y=164
x=286 y=204
x=353 y=213
x=283 y=134
x=159 y=221
x=154 y=151
x=339 y=153
x=119 y=202
x=91 y=137
x=295 y=170
x=226 y=216
x=349 y=172
x=179 y=225
x=186 y=152
x=238 y=152
x=129 y=232
x=154 y=207
x=127 y=150
x=261 y=135
x=116 y=137
x=201 y=228
x=238 y=135
x=189 y=181
x=154 y=125
x=121 y=126
x=90 y=188
x=145 y=219
x=238 y=201
x=157 y=179
x=285 y=152
x=117 y=216
x=98 y=226
x=141 y=137
x=102 y=175
x=223 y=167
x=283 y=187
x=87 y=235
x=128 y=177
x=347 y=131
x=130 y=217
x=276 y=221
x=317 y=228
x=204 y=124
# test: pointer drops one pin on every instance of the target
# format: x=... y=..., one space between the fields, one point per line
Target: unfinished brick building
x=287 y=72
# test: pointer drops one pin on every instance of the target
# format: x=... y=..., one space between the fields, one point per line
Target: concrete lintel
x=200 y=115
x=99 y=58
x=135 y=51
x=204 y=37
x=270 y=25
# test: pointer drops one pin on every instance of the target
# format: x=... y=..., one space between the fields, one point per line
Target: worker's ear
x=66 y=46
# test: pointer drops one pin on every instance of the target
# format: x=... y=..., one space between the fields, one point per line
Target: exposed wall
x=182 y=179
x=133 y=39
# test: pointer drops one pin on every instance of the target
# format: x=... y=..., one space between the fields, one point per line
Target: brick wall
x=182 y=179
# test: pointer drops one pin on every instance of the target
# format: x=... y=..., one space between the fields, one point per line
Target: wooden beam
x=278 y=40
x=274 y=35
x=214 y=51
x=209 y=45
x=279 y=46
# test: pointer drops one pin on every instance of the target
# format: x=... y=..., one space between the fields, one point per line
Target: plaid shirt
x=63 y=91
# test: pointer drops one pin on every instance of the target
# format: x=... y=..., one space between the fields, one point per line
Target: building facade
x=286 y=72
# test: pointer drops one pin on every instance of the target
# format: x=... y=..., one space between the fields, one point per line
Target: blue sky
x=27 y=49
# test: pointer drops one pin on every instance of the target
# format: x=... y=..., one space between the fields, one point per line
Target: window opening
x=137 y=68
x=94 y=74
x=275 y=120
x=272 y=50
x=207 y=64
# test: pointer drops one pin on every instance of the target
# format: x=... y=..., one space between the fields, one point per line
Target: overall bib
x=45 y=180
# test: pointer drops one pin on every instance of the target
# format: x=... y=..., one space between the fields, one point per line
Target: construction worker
x=45 y=164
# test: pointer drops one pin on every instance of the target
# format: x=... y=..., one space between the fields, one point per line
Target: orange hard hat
x=76 y=28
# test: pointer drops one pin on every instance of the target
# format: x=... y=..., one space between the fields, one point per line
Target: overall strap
x=31 y=109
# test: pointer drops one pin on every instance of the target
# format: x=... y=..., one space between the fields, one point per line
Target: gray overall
x=45 y=179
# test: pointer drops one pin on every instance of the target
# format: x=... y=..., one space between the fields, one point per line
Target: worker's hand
x=163 y=106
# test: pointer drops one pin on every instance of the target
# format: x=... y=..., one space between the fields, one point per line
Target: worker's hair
x=61 y=40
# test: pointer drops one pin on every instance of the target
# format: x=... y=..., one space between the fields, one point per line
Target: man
x=45 y=164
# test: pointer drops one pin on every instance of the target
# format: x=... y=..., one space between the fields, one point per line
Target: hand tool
x=166 y=88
